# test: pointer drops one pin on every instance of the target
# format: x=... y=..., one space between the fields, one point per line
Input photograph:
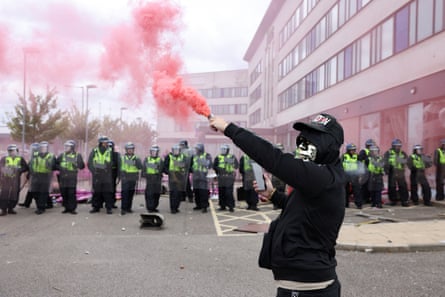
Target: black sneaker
x=65 y=211
x=204 y=210
x=109 y=211
x=39 y=211
x=123 y=212
x=11 y=211
x=3 y=212
x=73 y=212
x=23 y=205
x=94 y=210
x=197 y=208
x=231 y=210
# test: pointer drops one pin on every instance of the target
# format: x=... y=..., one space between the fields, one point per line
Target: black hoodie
x=303 y=247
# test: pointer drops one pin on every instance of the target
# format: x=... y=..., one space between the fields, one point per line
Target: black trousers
x=251 y=198
x=397 y=185
x=151 y=200
x=128 y=189
x=333 y=290
x=225 y=195
x=426 y=189
x=69 y=198
x=102 y=193
x=201 y=198
x=175 y=199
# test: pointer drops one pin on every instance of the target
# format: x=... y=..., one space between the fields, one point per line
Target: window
x=365 y=51
x=424 y=21
x=348 y=62
x=401 y=39
x=439 y=16
x=387 y=38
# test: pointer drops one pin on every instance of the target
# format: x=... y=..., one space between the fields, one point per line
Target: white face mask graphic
x=305 y=149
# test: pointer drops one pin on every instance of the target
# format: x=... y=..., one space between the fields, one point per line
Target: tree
x=76 y=128
x=43 y=121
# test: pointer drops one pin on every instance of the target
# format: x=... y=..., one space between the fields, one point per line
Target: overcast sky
x=211 y=36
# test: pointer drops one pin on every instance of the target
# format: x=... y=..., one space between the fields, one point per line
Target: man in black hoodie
x=301 y=249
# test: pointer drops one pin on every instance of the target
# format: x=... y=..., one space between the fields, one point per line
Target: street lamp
x=25 y=52
x=86 y=117
x=122 y=109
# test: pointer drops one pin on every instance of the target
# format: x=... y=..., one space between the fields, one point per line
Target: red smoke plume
x=144 y=51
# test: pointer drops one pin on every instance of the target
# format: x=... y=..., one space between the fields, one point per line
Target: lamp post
x=25 y=52
x=122 y=109
x=86 y=117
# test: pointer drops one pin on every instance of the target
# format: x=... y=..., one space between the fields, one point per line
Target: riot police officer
x=175 y=166
x=201 y=163
x=188 y=153
x=11 y=168
x=41 y=169
x=68 y=163
x=363 y=156
x=225 y=166
x=395 y=161
x=353 y=170
x=130 y=166
x=115 y=161
x=30 y=194
x=246 y=171
x=376 y=171
x=439 y=162
x=417 y=163
x=100 y=165
x=152 y=171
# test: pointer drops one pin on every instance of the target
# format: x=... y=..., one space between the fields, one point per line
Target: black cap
x=323 y=123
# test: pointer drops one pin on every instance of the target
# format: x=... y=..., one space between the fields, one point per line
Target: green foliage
x=43 y=121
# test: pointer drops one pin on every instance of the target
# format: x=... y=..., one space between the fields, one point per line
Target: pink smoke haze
x=139 y=54
x=143 y=50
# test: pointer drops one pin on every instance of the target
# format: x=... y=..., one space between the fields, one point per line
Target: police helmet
x=43 y=146
x=154 y=150
x=103 y=139
x=129 y=146
x=199 y=147
x=417 y=148
x=224 y=149
x=70 y=143
x=12 y=147
x=369 y=142
x=183 y=143
x=396 y=142
x=176 y=150
x=35 y=147
x=351 y=147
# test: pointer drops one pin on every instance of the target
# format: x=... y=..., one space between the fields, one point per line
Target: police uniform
x=152 y=171
x=439 y=162
x=417 y=163
x=41 y=169
x=363 y=156
x=175 y=166
x=395 y=161
x=11 y=169
x=246 y=170
x=201 y=163
x=130 y=166
x=225 y=166
x=376 y=171
x=351 y=165
x=100 y=165
x=68 y=163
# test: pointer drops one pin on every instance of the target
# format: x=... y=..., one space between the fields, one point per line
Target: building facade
x=378 y=66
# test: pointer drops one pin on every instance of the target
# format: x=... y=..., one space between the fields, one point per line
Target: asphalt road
x=110 y=255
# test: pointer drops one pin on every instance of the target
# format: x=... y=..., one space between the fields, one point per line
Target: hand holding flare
x=217 y=124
